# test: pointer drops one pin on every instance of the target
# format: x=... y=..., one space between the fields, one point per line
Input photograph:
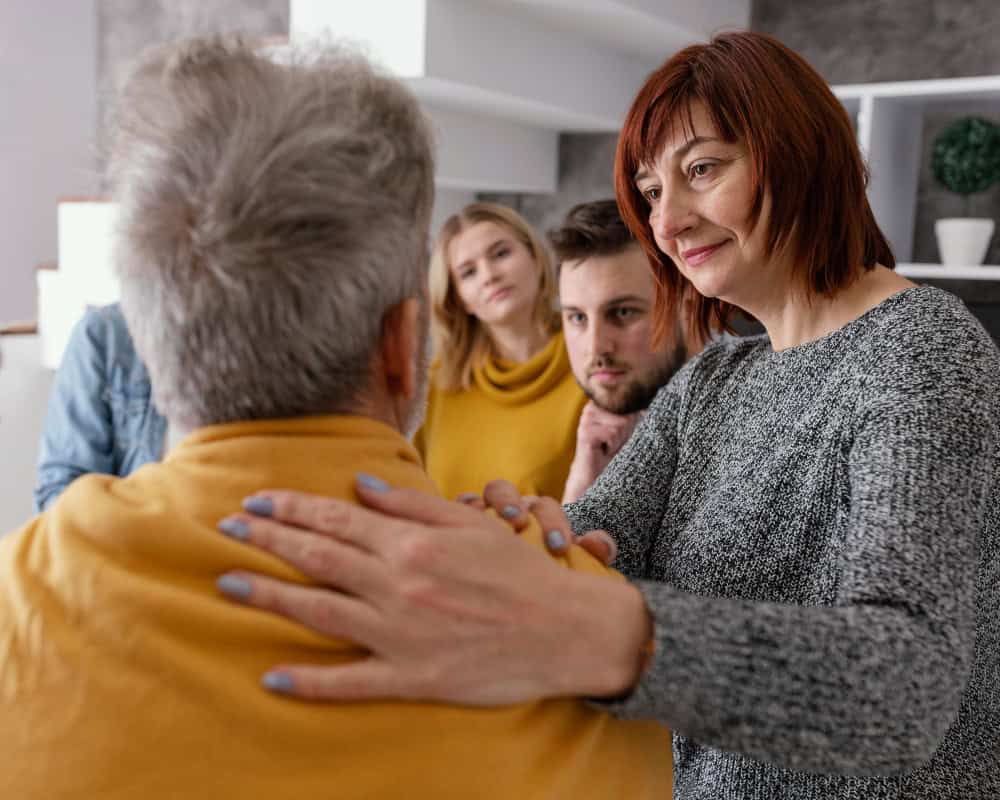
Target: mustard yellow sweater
x=124 y=674
x=516 y=421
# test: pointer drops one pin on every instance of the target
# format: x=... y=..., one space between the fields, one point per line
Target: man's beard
x=638 y=394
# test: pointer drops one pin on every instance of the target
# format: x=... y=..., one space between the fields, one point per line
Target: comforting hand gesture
x=463 y=612
x=599 y=436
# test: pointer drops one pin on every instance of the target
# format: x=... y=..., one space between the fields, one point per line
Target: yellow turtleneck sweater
x=516 y=421
x=124 y=674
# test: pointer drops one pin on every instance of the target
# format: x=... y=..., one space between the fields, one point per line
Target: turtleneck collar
x=512 y=383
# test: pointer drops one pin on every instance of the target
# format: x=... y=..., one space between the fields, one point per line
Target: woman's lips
x=499 y=294
x=699 y=255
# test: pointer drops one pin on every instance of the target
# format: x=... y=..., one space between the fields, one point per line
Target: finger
x=472 y=499
x=413 y=505
x=327 y=612
x=322 y=558
x=367 y=679
x=601 y=545
x=323 y=515
x=504 y=498
x=598 y=426
x=556 y=528
x=600 y=415
x=619 y=440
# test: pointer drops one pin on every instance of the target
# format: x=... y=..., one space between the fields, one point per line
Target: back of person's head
x=595 y=228
x=461 y=342
x=270 y=214
x=804 y=155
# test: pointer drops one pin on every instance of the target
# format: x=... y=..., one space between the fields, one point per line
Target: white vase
x=963 y=242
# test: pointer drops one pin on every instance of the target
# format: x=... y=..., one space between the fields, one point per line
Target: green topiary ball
x=966 y=156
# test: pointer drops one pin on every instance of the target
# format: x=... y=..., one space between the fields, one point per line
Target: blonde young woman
x=501 y=378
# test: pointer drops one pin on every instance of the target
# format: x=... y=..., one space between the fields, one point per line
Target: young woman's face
x=700 y=193
x=494 y=274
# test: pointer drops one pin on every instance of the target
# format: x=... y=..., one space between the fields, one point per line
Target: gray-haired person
x=273 y=258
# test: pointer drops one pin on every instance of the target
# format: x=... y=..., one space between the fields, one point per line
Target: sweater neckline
x=846 y=331
x=513 y=383
x=333 y=426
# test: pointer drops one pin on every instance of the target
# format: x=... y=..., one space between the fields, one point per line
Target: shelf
x=985 y=272
x=889 y=121
x=943 y=90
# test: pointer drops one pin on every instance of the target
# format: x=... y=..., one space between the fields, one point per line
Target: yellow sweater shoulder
x=124 y=666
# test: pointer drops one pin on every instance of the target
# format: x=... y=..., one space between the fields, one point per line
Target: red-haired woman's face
x=700 y=193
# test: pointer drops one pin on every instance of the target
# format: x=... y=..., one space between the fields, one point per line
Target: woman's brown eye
x=700 y=170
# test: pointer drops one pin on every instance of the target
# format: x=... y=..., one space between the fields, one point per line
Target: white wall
x=24 y=394
x=48 y=126
x=446 y=203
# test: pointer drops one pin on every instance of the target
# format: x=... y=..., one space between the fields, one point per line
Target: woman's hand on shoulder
x=449 y=606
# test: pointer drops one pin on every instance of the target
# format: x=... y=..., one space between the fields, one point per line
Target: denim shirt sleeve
x=100 y=416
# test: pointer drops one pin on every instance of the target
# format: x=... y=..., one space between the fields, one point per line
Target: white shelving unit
x=889 y=123
x=501 y=79
x=972 y=273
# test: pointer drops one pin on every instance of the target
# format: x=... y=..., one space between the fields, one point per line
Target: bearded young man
x=606 y=292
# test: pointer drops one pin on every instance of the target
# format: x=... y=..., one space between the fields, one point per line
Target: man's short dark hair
x=591 y=229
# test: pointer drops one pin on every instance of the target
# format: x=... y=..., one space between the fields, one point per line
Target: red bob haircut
x=803 y=152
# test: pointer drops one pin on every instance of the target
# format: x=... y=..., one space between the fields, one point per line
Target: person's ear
x=401 y=339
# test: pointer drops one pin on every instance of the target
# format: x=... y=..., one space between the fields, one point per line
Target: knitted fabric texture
x=815 y=532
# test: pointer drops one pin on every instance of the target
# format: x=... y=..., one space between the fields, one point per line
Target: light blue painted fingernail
x=235 y=527
x=234 y=586
x=259 y=506
x=555 y=540
x=509 y=512
x=373 y=483
x=278 y=682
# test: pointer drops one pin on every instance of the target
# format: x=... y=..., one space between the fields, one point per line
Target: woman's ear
x=399 y=348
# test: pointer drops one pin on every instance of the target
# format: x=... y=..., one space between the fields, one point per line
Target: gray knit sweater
x=816 y=533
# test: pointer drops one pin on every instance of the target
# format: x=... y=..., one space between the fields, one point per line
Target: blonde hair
x=461 y=341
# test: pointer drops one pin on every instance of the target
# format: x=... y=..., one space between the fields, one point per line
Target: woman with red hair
x=809 y=517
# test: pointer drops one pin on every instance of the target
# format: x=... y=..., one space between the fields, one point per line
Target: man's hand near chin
x=599 y=436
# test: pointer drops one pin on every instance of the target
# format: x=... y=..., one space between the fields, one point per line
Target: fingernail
x=373 y=483
x=260 y=506
x=555 y=540
x=612 y=549
x=278 y=682
x=233 y=586
x=466 y=497
x=235 y=527
x=509 y=512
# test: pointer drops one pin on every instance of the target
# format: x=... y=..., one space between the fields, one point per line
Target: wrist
x=574 y=489
x=614 y=635
x=583 y=471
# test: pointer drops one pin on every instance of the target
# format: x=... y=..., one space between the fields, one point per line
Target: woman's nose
x=491 y=273
x=672 y=216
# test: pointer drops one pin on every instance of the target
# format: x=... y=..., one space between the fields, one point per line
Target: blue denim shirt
x=101 y=416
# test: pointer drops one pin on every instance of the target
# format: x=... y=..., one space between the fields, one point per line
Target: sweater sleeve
x=871 y=684
x=630 y=497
